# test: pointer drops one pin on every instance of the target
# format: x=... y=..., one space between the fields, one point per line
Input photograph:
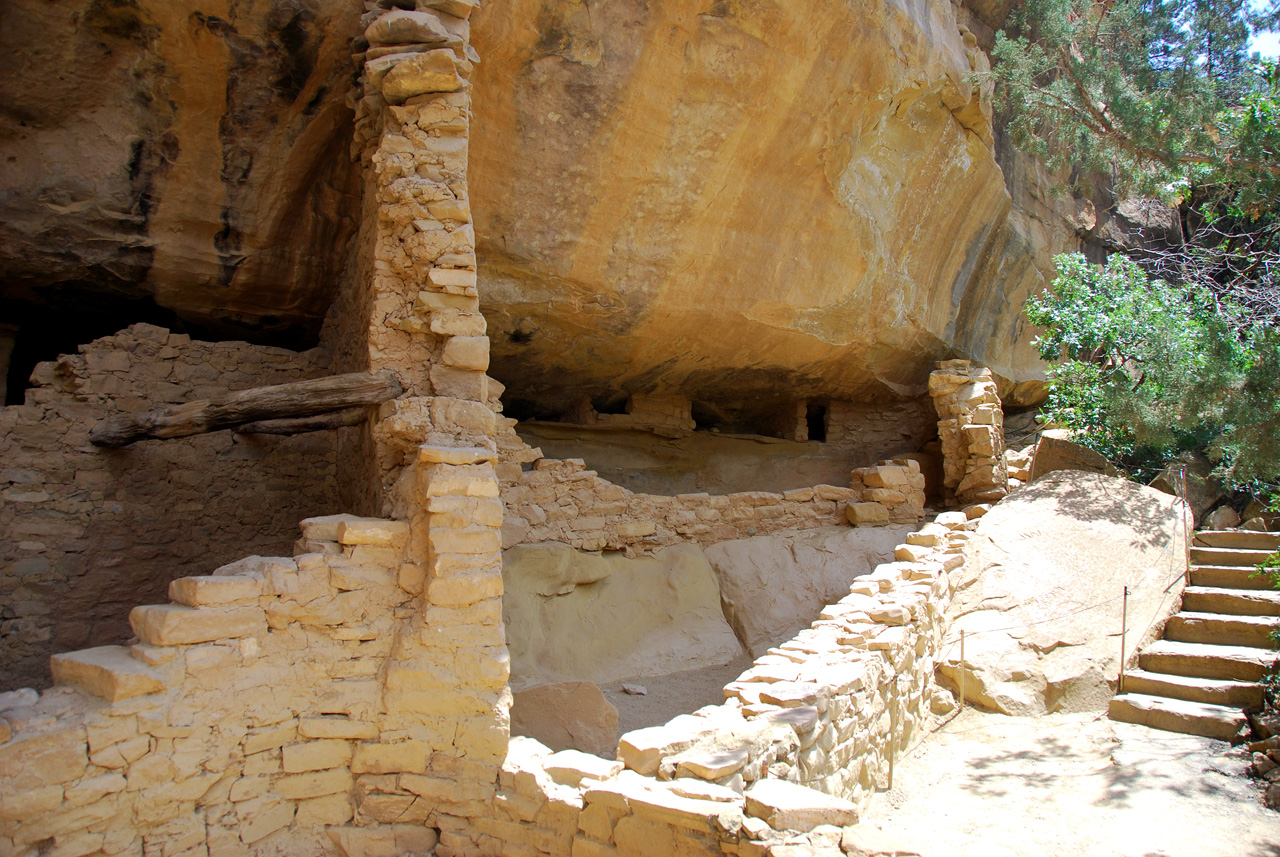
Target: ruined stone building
x=644 y=280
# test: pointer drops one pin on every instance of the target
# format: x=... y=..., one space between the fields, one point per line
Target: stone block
x=635 y=529
x=787 y=806
x=713 y=764
x=467 y=352
x=867 y=514
x=384 y=841
x=336 y=727
x=400 y=27
x=267 y=822
x=402 y=757
x=911 y=553
x=571 y=767
x=452 y=278
x=325 y=527
x=215 y=590
x=175 y=625
x=429 y=454
x=464 y=589
x=436 y=301
x=642 y=750
x=567 y=715
x=323 y=811
x=452 y=322
x=373 y=531
x=313 y=784
x=473 y=541
x=883 y=476
x=317 y=755
x=656 y=802
x=109 y=672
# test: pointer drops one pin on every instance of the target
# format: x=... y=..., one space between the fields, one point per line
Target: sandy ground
x=669 y=695
x=1079 y=785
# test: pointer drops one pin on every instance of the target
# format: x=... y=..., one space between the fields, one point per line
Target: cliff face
x=736 y=199
x=744 y=201
x=194 y=153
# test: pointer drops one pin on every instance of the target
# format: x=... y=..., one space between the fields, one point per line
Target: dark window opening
x=816 y=418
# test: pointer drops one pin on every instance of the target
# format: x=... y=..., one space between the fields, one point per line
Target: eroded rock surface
x=815 y=183
x=772 y=587
x=1042 y=598
x=575 y=615
x=567 y=715
x=194 y=153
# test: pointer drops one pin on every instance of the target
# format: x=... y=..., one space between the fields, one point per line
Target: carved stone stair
x=1207 y=670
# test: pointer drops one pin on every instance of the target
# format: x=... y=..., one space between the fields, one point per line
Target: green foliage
x=1158 y=94
x=1149 y=371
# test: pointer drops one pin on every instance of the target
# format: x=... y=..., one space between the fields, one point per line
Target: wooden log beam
x=302 y=425
x=283 y=401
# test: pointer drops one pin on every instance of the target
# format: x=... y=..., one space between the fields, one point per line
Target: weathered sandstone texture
x=1041 y=596
x=971 y=432
x=567 y=715
x=772 y=587
x=652 y=462
x=190 y=153
x=572 y=615
x=746 y=204
x=85 y=534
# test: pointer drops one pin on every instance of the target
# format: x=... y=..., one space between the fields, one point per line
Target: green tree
x=1158 y=94
x=1146 y=371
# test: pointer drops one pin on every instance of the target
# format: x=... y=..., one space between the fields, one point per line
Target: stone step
x=1179 y=715
x=1192 y=627
x=1237 y=602
x=1200 y=660
x=1233 y=694
x=1230 y=577
x=109 y=672
x=1228 y=556
x=1238 y=539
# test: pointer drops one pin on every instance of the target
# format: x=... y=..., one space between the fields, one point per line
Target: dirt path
x=987 y=785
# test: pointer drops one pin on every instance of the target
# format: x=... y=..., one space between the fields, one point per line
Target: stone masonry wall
x=562 y=501
x=803 y=740
x=871 y=430
x=971 y=432
x=252 y=714
x=86 y=533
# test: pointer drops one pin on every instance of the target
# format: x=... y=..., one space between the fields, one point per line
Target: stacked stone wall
x=802 y=742
x=879 y=431
x=275 y=708
x=971 y=432
x=562 y=501
x=86 y=533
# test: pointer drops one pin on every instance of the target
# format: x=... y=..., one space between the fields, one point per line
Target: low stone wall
x=562 y=501
x=801 y=743
x=86 y=533
x=246 y=710
x=351 y=700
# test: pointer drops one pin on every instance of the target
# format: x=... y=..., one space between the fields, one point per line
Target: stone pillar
x=971 y=431
x=445 y=694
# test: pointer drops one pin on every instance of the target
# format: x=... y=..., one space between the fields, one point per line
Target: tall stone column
x=446 y=696
x=971 y=431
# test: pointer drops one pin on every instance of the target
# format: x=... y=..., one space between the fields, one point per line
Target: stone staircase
x=1206 y=670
